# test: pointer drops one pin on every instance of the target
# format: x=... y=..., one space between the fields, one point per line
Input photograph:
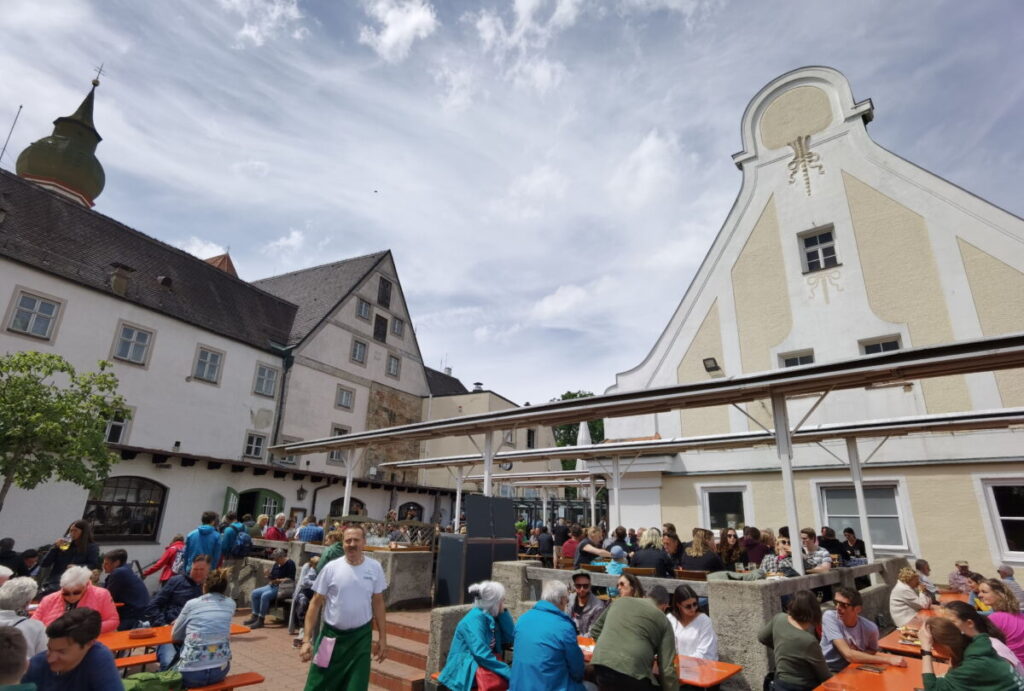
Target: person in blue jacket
x=547 y=654
x=230 y=534
x=479 y=639
x=203 y=540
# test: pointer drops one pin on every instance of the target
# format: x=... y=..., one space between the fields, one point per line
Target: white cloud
x=459 y=83
x=403 y=22
x=559 y=303
x=264 y=20
x=254 y=169
x=539 y=74
x=530 y=194
x=287 y=244
x=651 y=170
x=204 y=249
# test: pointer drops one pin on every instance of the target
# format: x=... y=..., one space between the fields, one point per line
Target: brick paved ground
x=269 y=651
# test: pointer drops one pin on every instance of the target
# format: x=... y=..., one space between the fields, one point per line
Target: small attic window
x=384 y=293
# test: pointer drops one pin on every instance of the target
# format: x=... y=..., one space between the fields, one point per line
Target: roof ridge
x=323 y=266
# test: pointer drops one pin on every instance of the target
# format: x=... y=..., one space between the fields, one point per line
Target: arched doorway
x=410 y=511
x=355 y=507
x=257 y=501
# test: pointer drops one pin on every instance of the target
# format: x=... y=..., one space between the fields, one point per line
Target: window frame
x=801 y=239
x=397 y=327
x=126 y=425
x=12 y=309
x=363 y=306
x=250 y=434
x=706 y=489
x=289 y=460
x=220 y=366
x=904 y=513
x=256 y=379
x=380 y=328
x=337 y=398
x=121 y=325
x=352 y=352
x=397 y=374
x=151 y=536
x=796 y=355
x=385 y=290
x=1001 y=552
x=531 y=438
x=865 y=343
x=338 y=456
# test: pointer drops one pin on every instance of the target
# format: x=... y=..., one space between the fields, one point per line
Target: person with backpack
x=173 y=554
x=235 y=542
x=203 y=540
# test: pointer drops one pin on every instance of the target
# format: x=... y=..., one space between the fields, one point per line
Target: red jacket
x=275 y=533
x=51 y=607
x=165 y=562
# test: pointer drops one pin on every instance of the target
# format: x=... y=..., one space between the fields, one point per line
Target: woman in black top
x=730 y=551
x=650 y=555
x=700 y=554
x=80 y=550
x=852 y=546
x=589 y=548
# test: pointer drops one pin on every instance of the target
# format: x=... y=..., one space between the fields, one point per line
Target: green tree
x=53 y=421
x=565 y=435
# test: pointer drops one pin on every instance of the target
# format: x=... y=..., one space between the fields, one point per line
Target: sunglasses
x=731 y=535
x=689 y=605
x=783 y=542
x=841 y=604
x=584 y=586
x=73 y=593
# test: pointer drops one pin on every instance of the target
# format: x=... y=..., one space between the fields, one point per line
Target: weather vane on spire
x=99 y=71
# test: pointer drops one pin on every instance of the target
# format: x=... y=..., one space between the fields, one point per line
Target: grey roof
x=318 y=290
x=43 y=230
x=442 y=384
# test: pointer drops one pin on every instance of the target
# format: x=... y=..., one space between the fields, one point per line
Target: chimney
x=478 y=386
x=448 y=371
x=119 y=278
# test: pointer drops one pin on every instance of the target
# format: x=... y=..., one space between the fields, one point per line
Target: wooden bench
x=594 y=568
x=639 y=571
x=691 y=575
x=124 y=662
x=233 y=681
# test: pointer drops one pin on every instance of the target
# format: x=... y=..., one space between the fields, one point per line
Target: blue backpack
x=242 y=546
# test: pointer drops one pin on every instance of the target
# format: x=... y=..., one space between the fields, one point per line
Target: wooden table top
x=121 y=640
x=692 y=670
x=892 y=644
x=953 y=597
x=890 y=679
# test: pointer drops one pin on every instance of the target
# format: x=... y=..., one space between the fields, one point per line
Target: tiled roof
x=318 y=290
x=41 y=229
x=224 y=263
x=442 y=384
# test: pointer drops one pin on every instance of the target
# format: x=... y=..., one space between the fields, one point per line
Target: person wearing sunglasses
x=730 y=550
x=584 y=607
x=77 y=590
x=847 y=637
x=695 y=637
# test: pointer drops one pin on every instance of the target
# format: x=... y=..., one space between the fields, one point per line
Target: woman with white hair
x=907 y=597
x=480 y=638
x=15 y=595
x=547 y=653
x=77 y=590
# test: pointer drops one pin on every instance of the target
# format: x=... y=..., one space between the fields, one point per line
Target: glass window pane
x=825 y=237
x=811 y=241
x=41 y=326
x=1014 y=532
x=27 y=302
x=885 y=531
x=1009 y=500
x=880 y=501
x=842 y=522
x=725 y=509
x=841 y=501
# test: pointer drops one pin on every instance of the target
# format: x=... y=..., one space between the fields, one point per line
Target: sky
x=548 y=174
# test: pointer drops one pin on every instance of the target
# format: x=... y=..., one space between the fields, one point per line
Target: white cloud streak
x=402 y=23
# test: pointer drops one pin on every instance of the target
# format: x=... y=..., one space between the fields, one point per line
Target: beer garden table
x=122 y=640
x=692 y=670
x=889 y=679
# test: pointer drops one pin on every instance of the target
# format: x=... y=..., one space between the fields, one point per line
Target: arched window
x=410 y=511
x=355 y=507
x=126 y=509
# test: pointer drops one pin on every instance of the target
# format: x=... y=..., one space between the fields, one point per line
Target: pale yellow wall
x=902 y=282
x=706 y=343
x=938 y=497
x=998 y=292
x=763 y=316
x=799 y=111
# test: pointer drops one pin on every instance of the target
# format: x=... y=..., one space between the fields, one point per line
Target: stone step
x=406 y=651
x=413 y=633
x=395 y=676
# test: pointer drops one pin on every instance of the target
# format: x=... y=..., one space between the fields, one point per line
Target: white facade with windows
x=836 y=248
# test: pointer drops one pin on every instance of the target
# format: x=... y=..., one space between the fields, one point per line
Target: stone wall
x=390 y=407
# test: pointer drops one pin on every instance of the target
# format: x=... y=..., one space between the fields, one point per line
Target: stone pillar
x=443 y=621
x=739 y=608
x=512 y=575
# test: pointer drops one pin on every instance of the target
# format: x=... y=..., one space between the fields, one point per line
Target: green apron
x=349 y=669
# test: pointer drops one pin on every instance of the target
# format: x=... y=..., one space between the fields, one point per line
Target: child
x=614 y=567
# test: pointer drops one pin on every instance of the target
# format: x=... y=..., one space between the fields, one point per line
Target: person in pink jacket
x=77 y=590
x=166 y=562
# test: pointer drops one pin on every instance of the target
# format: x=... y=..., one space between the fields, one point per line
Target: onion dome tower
x=66 y=160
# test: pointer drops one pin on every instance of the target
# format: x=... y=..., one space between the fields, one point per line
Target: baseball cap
x=961 y=562
x=618 y=552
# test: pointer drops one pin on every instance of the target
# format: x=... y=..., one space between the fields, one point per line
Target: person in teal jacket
x=547 y=654
x=203 y=540
x=483 y=633
x=975 y=664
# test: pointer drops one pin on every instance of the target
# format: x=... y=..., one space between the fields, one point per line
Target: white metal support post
x=544 y=506
x=616 y=486
x=488 y=461
x=853 y=454
x=784 y=448
x=350 y=467
x=593 y=502
x=460 y=477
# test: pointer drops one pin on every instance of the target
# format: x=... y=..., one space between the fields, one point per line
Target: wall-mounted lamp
x=177 y=446
x=301 y=493
x=711 y=365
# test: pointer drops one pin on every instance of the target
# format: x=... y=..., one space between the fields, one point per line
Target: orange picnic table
x=953 y=597
x=692 y=670
x=853 y=678
x=893 y=643
x=122 y=640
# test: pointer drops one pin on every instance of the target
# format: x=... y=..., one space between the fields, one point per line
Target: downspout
x=287 y=360
x=316 y=491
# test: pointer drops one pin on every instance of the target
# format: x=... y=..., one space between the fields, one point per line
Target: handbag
x=154 y=681
x=285 y=589
x=486 y=680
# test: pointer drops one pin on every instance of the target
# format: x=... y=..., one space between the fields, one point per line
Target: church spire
x=66 y=160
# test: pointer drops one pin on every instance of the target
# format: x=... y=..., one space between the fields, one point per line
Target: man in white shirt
x=350 y=594
x=847 y=637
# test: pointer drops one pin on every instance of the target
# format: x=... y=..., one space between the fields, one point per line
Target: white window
x=358 y=352
x=208 y=364
x=531 y=439
x=254 y=445
x=394 y=366
x=882 y=502
x=509 y=439
x=397 y=327
x=880 y=345
x=362 y=309
x=266 y=380
x=726 y=506
x=291 y=459
x=818 y=250
x=1005 y=500
x=34 y=315
x=133 y=344
x=337 y=455
x=346 y=398
x=117 y=430
x=804 y=357
x=270 y=506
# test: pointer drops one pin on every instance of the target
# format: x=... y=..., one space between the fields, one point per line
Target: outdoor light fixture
x=177 y=446
x=711 y=365
x=301 y=492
